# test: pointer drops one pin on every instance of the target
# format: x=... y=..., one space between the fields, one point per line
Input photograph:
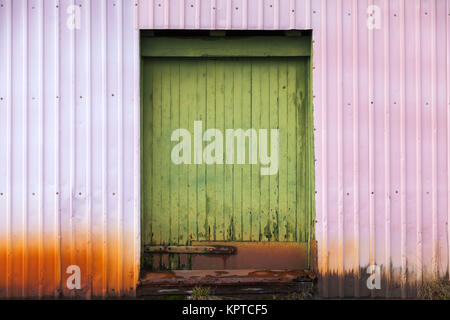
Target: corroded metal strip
x=191 y=249
x=226 y=277
x=227 y=290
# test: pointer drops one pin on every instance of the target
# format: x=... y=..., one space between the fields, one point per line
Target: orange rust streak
x=53 y=281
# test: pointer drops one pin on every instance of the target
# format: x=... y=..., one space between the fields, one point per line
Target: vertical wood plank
x=203 y=230
x=164 y=155
x=220 y=169
x=247 y=169
x=283 y=214
x=273 y=124
x=174 y=169
x=256 y=176
x=183 y=109
x=292 y=173
x=190 y=96
x=237 y=169
x=157 y=170
x=228 y=116
x=211 y=181
x=266 y=225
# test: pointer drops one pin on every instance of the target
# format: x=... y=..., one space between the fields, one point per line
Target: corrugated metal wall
x=382 y=140
x=69 y=147
x=69 y=136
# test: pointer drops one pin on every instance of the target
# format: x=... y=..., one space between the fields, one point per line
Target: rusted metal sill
x=226 y=282
x=191 y=249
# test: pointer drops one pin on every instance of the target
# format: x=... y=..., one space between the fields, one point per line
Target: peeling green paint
x=185 y=203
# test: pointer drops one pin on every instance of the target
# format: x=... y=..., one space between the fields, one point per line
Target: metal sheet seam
x=448 y=132
x=120 y=143
x=9 y=54
x=324 y=243
x=88 y=151
x=402 y=147
x=25 y=151
x=104 y=26
x=387 y=173
x=41 y=153
x=58 y=246
x=419 y=147
x=137 y=163
x=355 y=98
x=371 y=142
x=434 y=140
x=339 y=103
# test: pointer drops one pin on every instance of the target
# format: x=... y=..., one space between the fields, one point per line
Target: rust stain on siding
x=69 y=140
x=381 y=87
x=37 y=272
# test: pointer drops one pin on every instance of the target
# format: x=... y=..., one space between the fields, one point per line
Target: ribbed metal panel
x=69 y=137
x=69 y=148
x=382 y=138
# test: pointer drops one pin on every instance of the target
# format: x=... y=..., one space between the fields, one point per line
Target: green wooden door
x=212 y=130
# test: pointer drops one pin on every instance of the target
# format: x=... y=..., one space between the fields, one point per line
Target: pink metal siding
x=382 y=123
x=69 y=137
x=69 y=148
